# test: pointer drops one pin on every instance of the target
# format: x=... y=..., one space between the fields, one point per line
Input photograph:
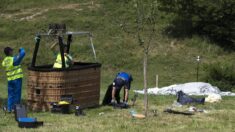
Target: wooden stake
x=156 y=81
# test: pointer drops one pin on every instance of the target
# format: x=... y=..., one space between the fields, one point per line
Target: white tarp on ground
x=192 y=88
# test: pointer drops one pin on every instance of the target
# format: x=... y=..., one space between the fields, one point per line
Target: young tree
x=143 y=29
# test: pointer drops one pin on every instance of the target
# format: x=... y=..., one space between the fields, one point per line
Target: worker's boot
x=113 y=102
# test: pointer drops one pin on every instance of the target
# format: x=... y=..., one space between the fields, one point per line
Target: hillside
x=173 y=59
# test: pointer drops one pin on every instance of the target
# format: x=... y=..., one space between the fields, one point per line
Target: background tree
x=214 y=19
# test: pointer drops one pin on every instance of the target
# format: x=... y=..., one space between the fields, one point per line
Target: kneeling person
x=122 y=79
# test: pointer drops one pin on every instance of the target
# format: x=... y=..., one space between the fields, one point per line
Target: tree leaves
x=214 y=19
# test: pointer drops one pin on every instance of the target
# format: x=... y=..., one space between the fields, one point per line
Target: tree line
x=214 y=19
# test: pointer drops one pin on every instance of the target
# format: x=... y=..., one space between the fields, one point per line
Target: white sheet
x=191 y=88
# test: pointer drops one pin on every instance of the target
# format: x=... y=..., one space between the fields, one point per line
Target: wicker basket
x=46 y=85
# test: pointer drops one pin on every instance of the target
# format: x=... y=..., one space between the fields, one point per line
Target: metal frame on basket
x=56 y=33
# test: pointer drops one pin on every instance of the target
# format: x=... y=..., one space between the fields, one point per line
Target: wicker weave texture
x=46 y=87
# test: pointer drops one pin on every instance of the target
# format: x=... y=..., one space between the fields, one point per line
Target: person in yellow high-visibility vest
x=67 y=58
x=14 y=75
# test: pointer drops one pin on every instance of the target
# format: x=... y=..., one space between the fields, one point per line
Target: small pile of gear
x=184 y=99
x=63 y=106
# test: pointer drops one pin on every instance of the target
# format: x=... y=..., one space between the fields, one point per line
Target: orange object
x=139 y=116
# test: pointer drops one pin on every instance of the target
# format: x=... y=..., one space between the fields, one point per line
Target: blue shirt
x=125 y=76
x=17 y=59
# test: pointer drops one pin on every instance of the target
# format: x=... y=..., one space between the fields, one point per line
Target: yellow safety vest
x=12 y=72
x=58 y=62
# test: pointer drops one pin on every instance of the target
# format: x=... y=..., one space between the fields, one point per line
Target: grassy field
x=220 y=117
x=173 y=59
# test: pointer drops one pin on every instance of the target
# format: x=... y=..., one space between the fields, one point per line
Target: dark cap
x=7 y=50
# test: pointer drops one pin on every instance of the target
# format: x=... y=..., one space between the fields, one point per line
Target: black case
x=20 y=112
x=68 y=98
x=65 y=108
x=30 y=124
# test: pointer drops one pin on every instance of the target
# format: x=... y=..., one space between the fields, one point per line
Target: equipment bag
x=184 y=99
x=23 y=120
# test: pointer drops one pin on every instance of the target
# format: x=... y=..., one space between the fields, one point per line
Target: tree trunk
x=145 y=84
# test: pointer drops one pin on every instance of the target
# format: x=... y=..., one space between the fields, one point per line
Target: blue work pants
x=14 y=93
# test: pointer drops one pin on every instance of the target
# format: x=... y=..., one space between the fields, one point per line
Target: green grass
x=220 y=118
x=117 y=51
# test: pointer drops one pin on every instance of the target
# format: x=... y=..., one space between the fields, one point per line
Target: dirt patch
x=34 y=15
x=21 y=13
x=69 y=6
x=29 y=14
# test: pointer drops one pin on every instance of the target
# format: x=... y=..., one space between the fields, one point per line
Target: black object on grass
x=79 y=111
x=183 y=99
x=178 y=112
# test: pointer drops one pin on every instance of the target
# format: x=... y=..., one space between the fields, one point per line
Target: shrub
x=213 y=19
x=221 y=75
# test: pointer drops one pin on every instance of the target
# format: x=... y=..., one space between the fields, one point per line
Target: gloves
x=125 y=103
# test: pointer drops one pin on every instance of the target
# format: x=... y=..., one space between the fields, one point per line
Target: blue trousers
x=14 y=93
